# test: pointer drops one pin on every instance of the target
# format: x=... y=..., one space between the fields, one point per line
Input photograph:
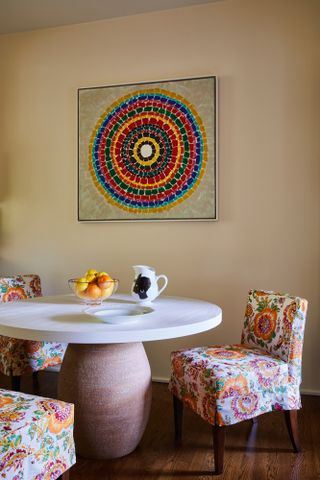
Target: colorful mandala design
x=148 y=151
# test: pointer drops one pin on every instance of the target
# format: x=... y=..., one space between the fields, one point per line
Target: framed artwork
x=148 y=151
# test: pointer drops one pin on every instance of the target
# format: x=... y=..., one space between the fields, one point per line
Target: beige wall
x=266 y=55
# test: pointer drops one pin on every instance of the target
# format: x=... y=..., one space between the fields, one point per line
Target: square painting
x=147 y=151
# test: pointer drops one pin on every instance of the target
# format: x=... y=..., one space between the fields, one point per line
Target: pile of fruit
x=94 y=285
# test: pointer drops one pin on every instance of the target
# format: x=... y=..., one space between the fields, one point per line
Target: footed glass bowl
x=93 y=293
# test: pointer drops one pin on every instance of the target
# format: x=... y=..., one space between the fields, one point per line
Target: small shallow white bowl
x=117 y=314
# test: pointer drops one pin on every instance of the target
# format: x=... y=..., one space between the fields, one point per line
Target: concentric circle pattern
x=148 y=151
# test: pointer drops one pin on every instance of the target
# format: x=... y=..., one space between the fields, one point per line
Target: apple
x=106 y=292
x=104 y=281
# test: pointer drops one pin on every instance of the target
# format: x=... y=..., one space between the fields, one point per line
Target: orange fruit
x=93 y=291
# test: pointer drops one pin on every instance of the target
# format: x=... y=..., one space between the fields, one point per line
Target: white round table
x=105 y=370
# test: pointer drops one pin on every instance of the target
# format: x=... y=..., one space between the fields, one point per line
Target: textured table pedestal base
x=110 y=386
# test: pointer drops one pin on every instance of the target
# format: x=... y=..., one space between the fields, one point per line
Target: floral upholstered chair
x=231 y=383
x=18 y=357
x=36 y=437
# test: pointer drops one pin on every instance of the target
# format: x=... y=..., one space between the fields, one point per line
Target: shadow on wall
x=6 y=267
x=4 y=192
x=4 y=178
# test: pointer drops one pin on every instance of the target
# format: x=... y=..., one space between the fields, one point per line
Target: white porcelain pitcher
x=145 y=285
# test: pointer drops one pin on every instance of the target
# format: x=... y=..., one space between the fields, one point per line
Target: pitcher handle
x=165 y=282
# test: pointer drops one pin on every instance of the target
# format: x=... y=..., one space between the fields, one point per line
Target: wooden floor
x=261 y=452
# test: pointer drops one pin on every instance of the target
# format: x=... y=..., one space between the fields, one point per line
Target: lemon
x=81 y=284
x=89 y=277
x=91 y=271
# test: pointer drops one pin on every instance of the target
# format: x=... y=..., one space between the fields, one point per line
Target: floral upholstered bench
x=36 y=437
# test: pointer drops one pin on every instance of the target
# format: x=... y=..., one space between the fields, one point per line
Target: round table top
x=119 y=319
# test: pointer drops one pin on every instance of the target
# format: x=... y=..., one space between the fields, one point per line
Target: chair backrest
x=275 y=322
x=19 y=287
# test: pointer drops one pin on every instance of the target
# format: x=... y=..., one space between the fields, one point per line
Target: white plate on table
x=117 y=314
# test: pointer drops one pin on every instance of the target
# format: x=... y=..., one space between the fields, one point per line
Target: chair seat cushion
x=230 y=383
x=36 y=437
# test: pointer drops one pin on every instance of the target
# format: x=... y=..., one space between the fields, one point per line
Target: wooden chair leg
x=178 y=414
x=291 y=417
x=254 y=420
x=16 y=383
x=219 y=434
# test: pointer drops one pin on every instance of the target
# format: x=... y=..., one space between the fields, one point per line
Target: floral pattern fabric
x=36 y=437
x=18 y=357
x=230 y=383
x=275 y=322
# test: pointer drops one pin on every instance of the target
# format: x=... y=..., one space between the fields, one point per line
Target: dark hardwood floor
x=259 y=452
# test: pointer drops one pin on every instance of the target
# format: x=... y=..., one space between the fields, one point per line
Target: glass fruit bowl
x=95 y=291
